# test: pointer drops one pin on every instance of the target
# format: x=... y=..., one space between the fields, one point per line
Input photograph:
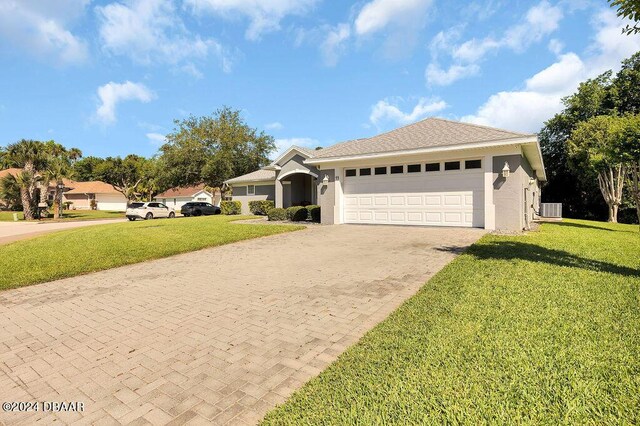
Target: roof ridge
x=482 y=126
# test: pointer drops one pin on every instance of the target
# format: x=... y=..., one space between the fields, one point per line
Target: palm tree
x=26 y=182
x=58 y=168
x=29 y=155
x=10 y=192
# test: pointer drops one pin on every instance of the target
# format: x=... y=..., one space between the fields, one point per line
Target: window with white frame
x=251 y=190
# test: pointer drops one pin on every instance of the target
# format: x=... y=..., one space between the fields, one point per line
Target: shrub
x=314 y=212
x=277 y=214
x=261 y=207
x=93 y=204
x=297 y=213
x=230 y=207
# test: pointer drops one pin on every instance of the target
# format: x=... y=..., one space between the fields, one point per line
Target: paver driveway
x=215 y=336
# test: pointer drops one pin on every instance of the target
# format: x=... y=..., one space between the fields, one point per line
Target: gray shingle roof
x=258 y=175
x=428 y=133
x=309 y=151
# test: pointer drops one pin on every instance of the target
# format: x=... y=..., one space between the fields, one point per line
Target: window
x=432 y=167
x=201 y=199
x=152 y=205
x=251 y=190
x=472 y=164
x=365 y=172
x=162 y=206
x=452 y=165
x=397 y=169
x=381 y=170
x=414 y=168
x=350 y=172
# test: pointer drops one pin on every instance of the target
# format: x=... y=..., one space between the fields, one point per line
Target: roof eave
x=232 y=181
x=472 y=145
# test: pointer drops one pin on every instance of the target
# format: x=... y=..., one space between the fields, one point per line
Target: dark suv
x=197 y=208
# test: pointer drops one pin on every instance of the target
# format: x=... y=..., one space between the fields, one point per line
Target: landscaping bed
x=542 y=328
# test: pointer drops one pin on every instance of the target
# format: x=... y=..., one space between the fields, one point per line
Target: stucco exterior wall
x=326 y=197
x=263 y=192
x=296 y=163
x=514 y=198
x=80 y=201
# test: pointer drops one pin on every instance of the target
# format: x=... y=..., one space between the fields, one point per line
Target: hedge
x=231 y=207
x=297 y=213
x=277 y=214
x=314 y=212
x=261 y=207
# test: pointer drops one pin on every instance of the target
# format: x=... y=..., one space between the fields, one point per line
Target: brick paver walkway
x=216 y=336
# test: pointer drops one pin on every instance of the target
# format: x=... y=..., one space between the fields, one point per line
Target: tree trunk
x=57 y=201
x=635 y=187
x=26 y=204
x=613 y=214
x=610 y=182
x=27 y=192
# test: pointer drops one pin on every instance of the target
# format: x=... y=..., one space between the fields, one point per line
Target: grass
x=536 y=329
x=79 y=251
x=69 y=215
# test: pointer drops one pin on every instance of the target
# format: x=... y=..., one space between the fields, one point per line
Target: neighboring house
x=433 y=172
x=80 y=195
x=177 y=197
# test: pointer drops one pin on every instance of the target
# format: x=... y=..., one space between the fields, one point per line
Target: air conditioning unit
x=553 y=210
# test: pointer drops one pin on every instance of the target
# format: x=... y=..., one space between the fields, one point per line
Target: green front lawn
x=79 y=251
x=537 y=329
x=69 y=215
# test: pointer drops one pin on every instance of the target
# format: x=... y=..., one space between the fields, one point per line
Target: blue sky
x=109 y=77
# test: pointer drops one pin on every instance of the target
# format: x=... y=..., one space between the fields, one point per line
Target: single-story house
x=434 y=172
x=178 y=197
x=80 y=195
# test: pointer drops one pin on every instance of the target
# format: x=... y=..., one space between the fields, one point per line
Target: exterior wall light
x=325 y=180
x=505 y=170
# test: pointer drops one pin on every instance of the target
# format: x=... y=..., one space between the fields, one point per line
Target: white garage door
x=111 y=202
x=443 y=198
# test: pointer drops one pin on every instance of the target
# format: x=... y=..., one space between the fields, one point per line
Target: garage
x=111 y=202
x=448 y=193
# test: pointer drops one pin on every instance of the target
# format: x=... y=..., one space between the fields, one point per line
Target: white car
x=148 y=211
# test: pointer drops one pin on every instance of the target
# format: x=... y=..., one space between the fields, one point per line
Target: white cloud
x=192 y=70
x=441 y=77
x=378 y=14
x=527 y=109
x=41 y=28
x=150 y=31
x=473 y=50
x=276 y=125
x=558 y=77
x=264 y=15
x=539 y=21
x=388 y=111
x=156 y=138
x=113 y=93
x=333 y=45
x=283 y=144
x=555 y=46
